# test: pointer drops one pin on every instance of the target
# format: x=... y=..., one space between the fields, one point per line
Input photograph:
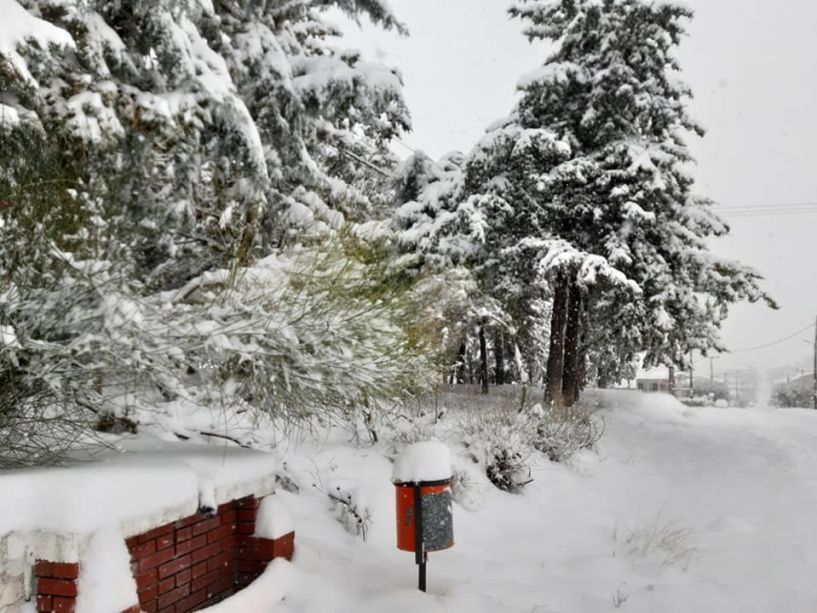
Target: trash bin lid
x=425 y=461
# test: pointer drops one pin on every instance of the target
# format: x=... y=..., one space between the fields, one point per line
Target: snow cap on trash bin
x=426 y=461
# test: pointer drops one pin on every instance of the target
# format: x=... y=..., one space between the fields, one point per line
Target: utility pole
x=712 y=369
x=737 y=379
x=671 y=380
x=691 y=377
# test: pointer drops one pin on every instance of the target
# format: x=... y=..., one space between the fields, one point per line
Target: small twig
x=224 y=436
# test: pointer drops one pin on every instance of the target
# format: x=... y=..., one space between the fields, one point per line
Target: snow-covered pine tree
x=183 y=142
x=214 y=121
x=610 y=90
x=425 y=231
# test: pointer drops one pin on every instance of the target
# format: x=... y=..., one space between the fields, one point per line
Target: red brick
x=146 y=579
x=247 y=515
x=65 y=605
x=132 y=542
x=190 y=520
x=57 y=587
x=191 y=545
x=284 y=546
x=224 y=507
x=219 y=587
x=150 y=606
x=134 y=609
x=184 y=577
x=257 y=549
x=244 y=541
x=192 y=601
x=173 y=596
x=245 y=528
x=230 y=543
x=151 y=592
x=244 y=579
x=155 y=533
x=182 y=549
x=184 y=534
x=249 y=502
x=229 y=569
x=251 y=566
x=174 y=566
x=44 y=602
x=142 y=551
x=42 y=569
x=157 y=559
x=219 y=534
x=163 y=542
x=220 y=560
x=206 y=525
x=166 y=585
x=228 y=517
x=206 y=552
x=205 y=580
x=65 y=570
x=199 y=569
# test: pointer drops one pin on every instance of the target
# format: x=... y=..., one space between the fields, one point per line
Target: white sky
x=753 y=67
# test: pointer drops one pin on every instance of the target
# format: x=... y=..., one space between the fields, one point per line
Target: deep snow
x=681 y=510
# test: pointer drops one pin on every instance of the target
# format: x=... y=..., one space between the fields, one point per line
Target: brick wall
x=182 y=566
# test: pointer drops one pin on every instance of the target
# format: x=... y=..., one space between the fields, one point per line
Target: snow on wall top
x=427 y=461
x=149 y=484
x=273 y=520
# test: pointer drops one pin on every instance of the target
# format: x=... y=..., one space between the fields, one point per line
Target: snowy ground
x=705 y=510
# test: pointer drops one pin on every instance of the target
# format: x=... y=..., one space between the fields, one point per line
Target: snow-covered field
x=681 y=510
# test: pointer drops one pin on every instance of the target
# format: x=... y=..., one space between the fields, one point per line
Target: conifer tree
x=610 y=90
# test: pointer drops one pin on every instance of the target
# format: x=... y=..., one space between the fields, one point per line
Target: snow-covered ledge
x=171 y=527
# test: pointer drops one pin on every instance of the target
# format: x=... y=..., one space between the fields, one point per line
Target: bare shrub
x=664 y=543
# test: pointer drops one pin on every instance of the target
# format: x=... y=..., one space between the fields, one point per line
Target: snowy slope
x=682 y=510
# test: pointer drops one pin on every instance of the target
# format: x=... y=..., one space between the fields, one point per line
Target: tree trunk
x=499 y=358
x=483 y=360
x=571 y=382
x=581 y=367
x=555 y=365
x=460 y=367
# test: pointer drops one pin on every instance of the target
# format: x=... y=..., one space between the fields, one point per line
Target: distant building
x=653 y=380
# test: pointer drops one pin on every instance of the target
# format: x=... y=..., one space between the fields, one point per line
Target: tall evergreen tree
x=610 y=90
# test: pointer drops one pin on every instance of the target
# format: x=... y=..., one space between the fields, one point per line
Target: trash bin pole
x=419 y=543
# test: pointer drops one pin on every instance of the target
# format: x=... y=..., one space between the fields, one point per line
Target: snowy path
x=740 y=485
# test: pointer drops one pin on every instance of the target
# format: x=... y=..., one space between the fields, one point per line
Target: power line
x=774 y=205
x=777 y=342
x=400 y=141
x=766 y=214
x=767 y=210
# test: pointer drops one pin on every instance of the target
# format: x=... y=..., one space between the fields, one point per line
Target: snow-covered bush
x=560 y=435
x=798 y=393
x=412 y=421
x=467 y=490
x=501 y=441
x=351 y=511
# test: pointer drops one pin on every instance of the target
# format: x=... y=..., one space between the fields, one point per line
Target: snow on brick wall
x=181 y=566
x=12 y=578
x=201 y=559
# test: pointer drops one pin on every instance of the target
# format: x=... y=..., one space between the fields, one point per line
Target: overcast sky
x=753 y=67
